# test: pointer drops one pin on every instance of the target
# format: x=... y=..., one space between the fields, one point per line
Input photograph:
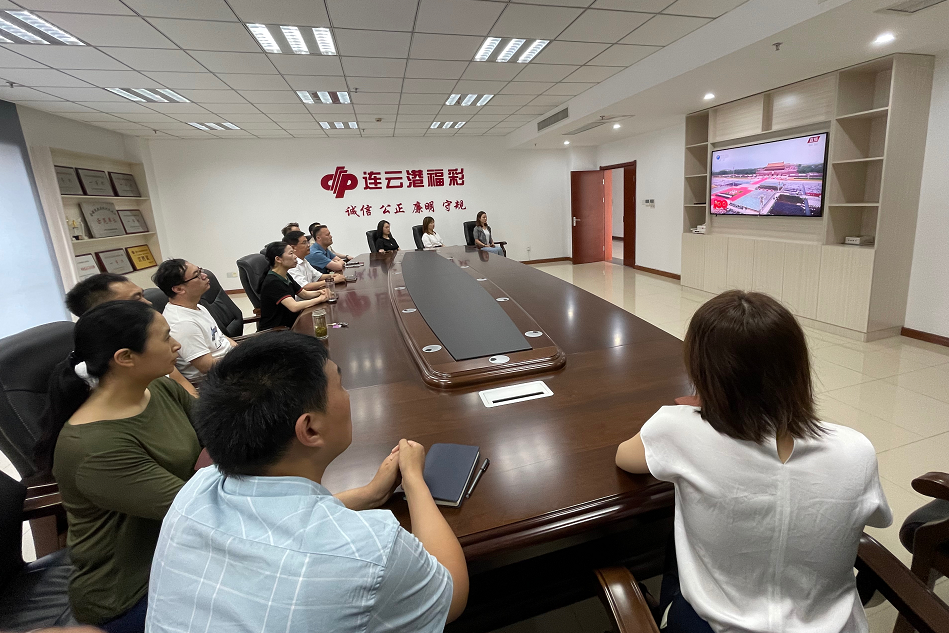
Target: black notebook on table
x=448 y=469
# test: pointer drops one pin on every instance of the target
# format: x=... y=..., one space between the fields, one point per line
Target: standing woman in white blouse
x=430 y=238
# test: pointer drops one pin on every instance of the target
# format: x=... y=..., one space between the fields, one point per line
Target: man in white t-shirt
x=307 y=277
x=201 y=339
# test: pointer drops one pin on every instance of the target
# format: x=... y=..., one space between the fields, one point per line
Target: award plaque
x=68 y=181
x=125 y=185
x=141 y=256
x=132 y=221
x=115 y=261
x=94 y=182
x=86 y=266
x=102 y=219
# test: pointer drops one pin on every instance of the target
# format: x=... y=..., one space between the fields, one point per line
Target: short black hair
x=287 y=229
x=313 y=228
x=251 y=399
x=273 y=251
x=90 y=292
x=293 y=237
x=170 y=273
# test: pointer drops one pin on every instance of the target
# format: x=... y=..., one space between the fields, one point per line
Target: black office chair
x=371 y=237
x=27 y=360
x=225 y=312
x=156 y=297
x=469 y=233
x=417 y=234
x=32 y=595
x=252 y=269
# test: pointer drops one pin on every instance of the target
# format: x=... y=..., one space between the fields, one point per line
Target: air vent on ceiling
x=912 y=6
x=602 y=121
x=556 y=117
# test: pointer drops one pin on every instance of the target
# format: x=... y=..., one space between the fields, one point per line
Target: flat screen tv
x=778 y=178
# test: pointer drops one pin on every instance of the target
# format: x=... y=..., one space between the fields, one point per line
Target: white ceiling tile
x=212 y=96
x=369 y=122
x=307 y=64
x=115 y=107
x=393 y=15
x=321 y=111
x=569 y=89
x=202 y=35
x=121 y=125
x=703 y=8
x=68 y=57
x=621 y=55
x=545 y=72
x=263 y=122
x=286 y=117
x=358 y=43
x=460 y=112
x=463 y=17
x=489 y=117
x=432 y=46
x=90 y=117
x=148 y=117
x=592 y=73
x=110 y=30
x=38 y=77
x=526 y=87
x=114 y=78
x=521 y=20
x=649 y=6
x=560 y=3
x=515 y=100
x=22 y=93
x=414 y=125
x=274 y=134
x=468 y=131
x=432 y=69
x=272 y=96
x=409 y=133
x=300 y=125
x=603 y=26
x=344 y=132
x=535 y=110
x=257 y=63
x=193 y=9
x=113 y=7
x=492 y=70
x=498 y=109
x=472 y=86
x=281 y=108
x=84 y=94
x=438 y=86
x=240 y=81
x=154 y=59
x=577 y=53
x=479 y=125
x=376 y=109
x=231 y=108
x=374 y=132
x=418 y=109
x=58 y=106
x=403 y=117
x=662 y=30
x=373 y=67
x=375 y=84
x=318 y=82
x=364 y=98
x=170 y=126
x=176 y=109
x=422 y=99
x=549 y=100
x=11 y=59
x=298 y=12
x=197 y=81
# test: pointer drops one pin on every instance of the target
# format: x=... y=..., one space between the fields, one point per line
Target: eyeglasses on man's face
x=197 y=274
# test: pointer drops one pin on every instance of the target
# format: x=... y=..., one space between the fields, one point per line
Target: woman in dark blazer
x=384 y=241
x=482 y=234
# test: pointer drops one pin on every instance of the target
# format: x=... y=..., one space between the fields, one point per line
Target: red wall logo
x=339 y=182
x=814 y=139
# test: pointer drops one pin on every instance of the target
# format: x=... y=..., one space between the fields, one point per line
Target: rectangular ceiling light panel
x=305 y=96
x=486 y=49
x=171 y=93
x=506 y=48
x=147 y=95
x=324 y=40
x=325 y=96
x=435 y=125
x=23 y=34
x=509 y=50
x=45 y=27
x=483 y=100
x=295 y=40
x=223 y=126
x=459 y=124
x=912 y=6
x=262 y=33
x=299 y=39
x=353 y=125
x=452 y=100
x=532 y=51
x=150 y=95
x=324 y=125
x=125 y=93
x=468 y=100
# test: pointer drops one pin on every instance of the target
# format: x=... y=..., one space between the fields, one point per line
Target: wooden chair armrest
x=620 y=594
x=252 y=319
x=42 y=506
x=933 y=484
x=41 y=489
x=906 y=592
x=279 y=328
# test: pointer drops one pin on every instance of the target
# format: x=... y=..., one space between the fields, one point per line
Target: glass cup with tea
x=319 y=324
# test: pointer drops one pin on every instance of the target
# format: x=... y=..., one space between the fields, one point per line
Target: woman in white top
x=430 y=238
x=770 y=502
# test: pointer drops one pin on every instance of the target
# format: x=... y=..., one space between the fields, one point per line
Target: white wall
x=223 y=199
x=659 y=159
x=617 y=202
x=928 y=304
x=43 y=128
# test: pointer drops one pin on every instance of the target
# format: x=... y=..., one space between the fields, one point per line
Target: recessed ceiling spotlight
x=884 y=38
x=531 y=52
x=295 y=40
x=566 y=142
x=617 y=126
x=44 y=26
x=486 y=49
x=510 y=49
x=262 y=33
x=324 y=39
x=708 y=95
x=452 y=100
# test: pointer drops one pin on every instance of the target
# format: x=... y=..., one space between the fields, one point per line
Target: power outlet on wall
x=231 y=275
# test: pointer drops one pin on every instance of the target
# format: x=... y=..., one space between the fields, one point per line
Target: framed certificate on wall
x=94 y=182
x=114 y=261
x=124 y=185
x=141 y=256
x=102 y=219
x=132 y=221
x=86 y=266
x=68 y=181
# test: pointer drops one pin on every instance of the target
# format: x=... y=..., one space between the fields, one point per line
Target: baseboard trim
x=661 y=273
x=547 y=261
x=919 y=335
x=234 y=292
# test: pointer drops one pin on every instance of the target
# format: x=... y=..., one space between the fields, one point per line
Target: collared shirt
x=282 y=554
x=304 y=273
x=319 y=257
x=274 y=289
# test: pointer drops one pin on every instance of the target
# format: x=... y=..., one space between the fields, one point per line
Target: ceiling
x=398 y=59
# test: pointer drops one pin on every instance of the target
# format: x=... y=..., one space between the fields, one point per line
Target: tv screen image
x=775 y=178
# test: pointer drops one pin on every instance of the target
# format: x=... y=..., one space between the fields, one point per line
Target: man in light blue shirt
x=256 y=543
x=321 y=257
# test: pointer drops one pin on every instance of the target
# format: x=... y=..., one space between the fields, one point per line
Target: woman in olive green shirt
x=120 y=453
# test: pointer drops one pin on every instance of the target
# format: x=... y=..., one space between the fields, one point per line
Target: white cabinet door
x=844 y=294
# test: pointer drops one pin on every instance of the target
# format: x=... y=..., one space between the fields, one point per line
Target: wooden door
x=588 y=216
x=629 y=215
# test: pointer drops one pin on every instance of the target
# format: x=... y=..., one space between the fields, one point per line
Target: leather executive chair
x=417 y=234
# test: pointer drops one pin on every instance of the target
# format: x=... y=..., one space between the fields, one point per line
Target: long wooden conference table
x=552 y=483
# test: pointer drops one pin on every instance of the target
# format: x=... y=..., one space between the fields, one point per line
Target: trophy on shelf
x=76 y=229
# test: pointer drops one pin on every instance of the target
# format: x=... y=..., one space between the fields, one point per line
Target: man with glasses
x=202 y=342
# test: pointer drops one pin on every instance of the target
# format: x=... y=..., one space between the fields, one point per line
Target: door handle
x=575 y=220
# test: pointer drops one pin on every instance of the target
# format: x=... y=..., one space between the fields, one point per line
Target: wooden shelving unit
x=876 y=115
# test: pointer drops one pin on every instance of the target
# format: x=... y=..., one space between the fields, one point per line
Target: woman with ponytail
x=119 y=452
